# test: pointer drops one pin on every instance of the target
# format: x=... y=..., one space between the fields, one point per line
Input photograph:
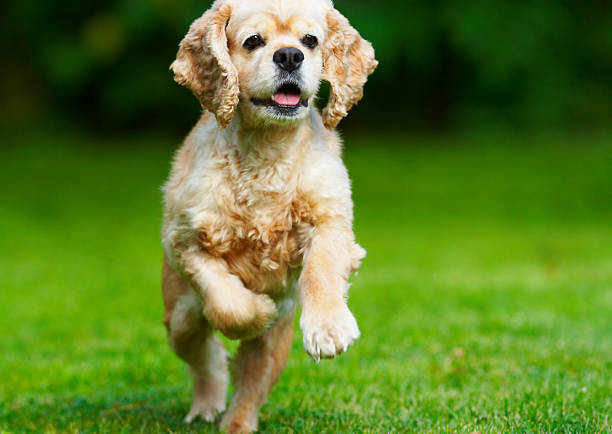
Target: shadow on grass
x=127 y=413
x=153 y=414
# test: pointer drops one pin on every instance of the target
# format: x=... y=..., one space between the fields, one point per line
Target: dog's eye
x=253 y=42
x=310 y=41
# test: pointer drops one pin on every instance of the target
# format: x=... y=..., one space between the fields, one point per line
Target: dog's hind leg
x=194 y=341
x=257 y=367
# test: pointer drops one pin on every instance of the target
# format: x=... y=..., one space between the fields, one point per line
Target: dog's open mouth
x=288 y=96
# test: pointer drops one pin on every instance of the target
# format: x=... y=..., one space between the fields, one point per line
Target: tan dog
x=259 y=192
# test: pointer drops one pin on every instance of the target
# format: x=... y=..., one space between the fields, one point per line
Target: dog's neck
x=271 y=140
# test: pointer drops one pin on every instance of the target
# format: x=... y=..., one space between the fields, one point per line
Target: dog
x=257 y=209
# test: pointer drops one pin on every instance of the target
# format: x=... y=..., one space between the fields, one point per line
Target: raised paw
x=328 y=333
x=241 y=316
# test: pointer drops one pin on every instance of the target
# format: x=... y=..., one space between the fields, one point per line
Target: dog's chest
x=260 y=224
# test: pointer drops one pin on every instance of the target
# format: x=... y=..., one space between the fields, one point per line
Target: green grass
x=485 y=302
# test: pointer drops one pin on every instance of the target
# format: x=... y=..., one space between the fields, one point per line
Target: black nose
x=288 y=58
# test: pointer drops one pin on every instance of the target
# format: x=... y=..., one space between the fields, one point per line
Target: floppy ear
x=348 y=59
x=203 y=64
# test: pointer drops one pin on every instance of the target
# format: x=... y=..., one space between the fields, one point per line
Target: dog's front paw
x=328 y=333
x=264 y=314
x=242 y=315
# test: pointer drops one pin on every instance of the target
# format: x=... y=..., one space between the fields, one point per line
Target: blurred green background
x=444 y=64
x=481 y=160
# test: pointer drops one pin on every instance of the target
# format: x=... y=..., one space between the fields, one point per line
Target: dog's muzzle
x=288 y=96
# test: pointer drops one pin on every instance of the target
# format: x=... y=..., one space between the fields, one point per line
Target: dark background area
x=444 y=64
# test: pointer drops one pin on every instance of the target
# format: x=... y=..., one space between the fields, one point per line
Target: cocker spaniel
x=257 y=209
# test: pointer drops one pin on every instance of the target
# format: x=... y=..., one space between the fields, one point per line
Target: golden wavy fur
x=257 y=209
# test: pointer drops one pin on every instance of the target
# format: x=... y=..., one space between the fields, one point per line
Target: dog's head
x=267 y=57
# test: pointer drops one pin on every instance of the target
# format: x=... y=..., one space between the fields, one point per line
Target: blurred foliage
x=443 y=63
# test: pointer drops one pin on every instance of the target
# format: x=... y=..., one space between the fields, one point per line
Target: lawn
x=485 y=302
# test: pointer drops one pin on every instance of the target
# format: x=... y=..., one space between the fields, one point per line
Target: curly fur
x=203 y=64
x=257 y=209
x=348 y=60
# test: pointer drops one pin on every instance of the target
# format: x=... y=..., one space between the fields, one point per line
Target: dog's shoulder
x=324 y=179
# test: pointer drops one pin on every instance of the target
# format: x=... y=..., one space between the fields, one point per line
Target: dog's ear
x=203 y=64
x=348 y=59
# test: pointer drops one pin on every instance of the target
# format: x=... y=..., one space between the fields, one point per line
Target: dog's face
x=267 y=57
x=277 y=54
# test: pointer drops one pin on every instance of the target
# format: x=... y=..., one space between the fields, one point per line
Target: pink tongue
x=286 y=99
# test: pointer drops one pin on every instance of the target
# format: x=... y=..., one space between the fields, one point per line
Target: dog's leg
x=257 y=367
x=193 y=340
x=229 y=307
x=328 y=326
